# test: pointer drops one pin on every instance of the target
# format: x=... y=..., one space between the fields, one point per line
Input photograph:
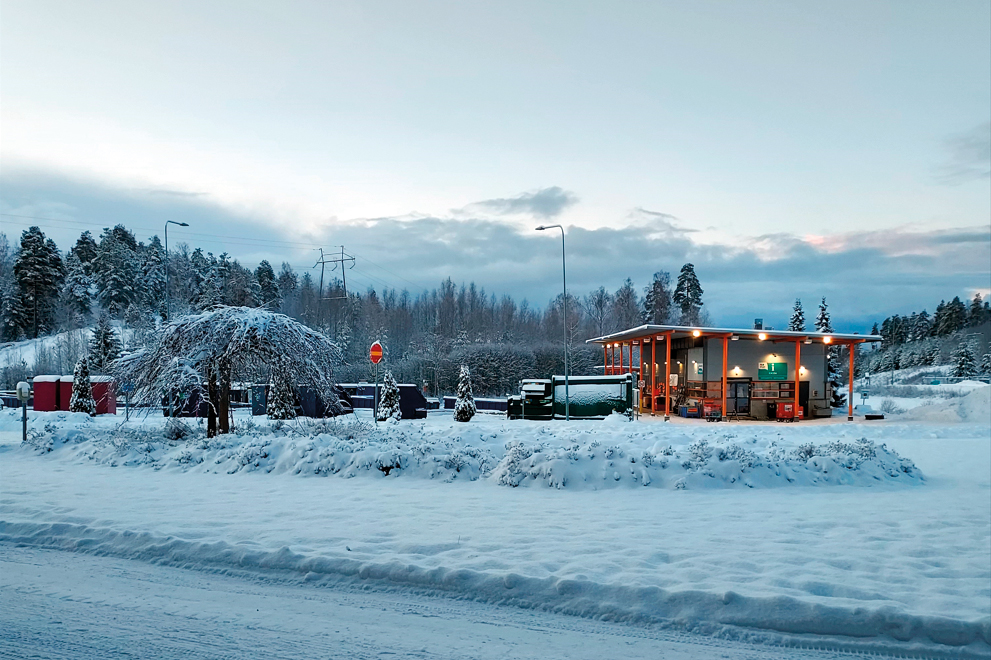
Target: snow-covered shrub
x=464 y=406
x=82 y=390
x=389 y=405
x=281 y=402
x=889 y=407
x=964 y=362
x=510 y=469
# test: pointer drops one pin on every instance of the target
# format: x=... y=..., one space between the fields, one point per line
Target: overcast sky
x=788 y=149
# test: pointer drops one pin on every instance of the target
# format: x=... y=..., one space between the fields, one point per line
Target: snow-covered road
x=75 y=607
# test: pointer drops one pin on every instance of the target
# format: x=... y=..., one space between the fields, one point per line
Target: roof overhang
x=682 y=331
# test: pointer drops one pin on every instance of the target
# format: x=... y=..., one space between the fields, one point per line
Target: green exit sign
x=772 y=371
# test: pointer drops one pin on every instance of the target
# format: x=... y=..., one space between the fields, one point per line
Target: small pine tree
x=964 y=362
x=281 y=403
x=82 y=390
x=389 y=405
x=104 y=346
x=986 y=365
x=464 y=406
x=797 y=322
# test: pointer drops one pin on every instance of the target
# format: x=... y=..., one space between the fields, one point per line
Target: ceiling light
x=696 y=333
x=827 y=340
x=762 y=336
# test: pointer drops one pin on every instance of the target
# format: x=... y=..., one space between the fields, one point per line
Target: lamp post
x=168 y=309
x=564 y=314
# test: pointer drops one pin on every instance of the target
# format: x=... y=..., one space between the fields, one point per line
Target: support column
x=640 y=375
x=621 y=358
x=667 y=377
x=653 y=377
x=849 y=394
x=798 y=373
x=725 y=371
x=605 y=360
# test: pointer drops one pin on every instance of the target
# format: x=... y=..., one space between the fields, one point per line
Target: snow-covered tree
x=986 y=364
x=104 y=346
x=964 y=362
x=38 y=272
x=688 y=295
x=281 y=403
x=85 y=250
x=229 y=344
x=625 y=306
x=797 y=322
x=389 y=404
x=82 y=390
x=464 y=405
x=270 y=296
x=75 y=288
x=152 y=293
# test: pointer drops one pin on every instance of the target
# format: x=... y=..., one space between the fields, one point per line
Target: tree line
x=427 y=335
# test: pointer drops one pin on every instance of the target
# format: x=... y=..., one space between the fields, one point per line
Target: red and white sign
x=375 y=353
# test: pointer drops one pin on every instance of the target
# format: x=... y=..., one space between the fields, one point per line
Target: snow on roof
x=678 y=331
x=46 y=379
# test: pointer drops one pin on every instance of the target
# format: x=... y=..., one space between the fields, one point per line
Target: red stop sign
x=375 y=354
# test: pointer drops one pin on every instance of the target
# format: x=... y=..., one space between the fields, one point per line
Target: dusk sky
x=788 y=150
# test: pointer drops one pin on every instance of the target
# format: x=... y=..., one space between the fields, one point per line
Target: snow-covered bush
x=82 y=390
x=464 y=406
x=281 y=402
x=964 y=362
x=389 y=405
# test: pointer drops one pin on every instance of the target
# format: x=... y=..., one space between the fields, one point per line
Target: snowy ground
x=867 y=562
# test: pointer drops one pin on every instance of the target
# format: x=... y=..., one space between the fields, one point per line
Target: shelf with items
x=784 y=389
x=704 y=390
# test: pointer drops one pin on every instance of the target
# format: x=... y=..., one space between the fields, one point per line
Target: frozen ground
x=892 y=564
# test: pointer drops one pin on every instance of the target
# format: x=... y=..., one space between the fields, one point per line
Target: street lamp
x=168 y=309
x=564 y=272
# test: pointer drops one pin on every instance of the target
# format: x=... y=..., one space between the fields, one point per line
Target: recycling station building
x=728 y=372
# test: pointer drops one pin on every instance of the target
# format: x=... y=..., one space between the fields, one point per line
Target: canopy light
x=808 y=341
x=762 y=336
x=827 y=340
x=696 y=333
x=802 y=370
x=734 y=337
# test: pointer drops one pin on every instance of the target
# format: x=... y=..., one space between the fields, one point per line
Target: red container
x=786 y=410
x=105 y=394
x=46 y=393
x=64 y=392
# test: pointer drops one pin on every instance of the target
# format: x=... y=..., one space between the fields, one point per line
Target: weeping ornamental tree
x=211 y=350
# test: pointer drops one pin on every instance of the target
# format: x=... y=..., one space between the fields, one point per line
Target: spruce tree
x=82 y=390
x=986 y=364
x=116 y=270
x=75 y=288
x=797 y=322
x=688 y=295
x=464 y=405
x=281 y=403
x=38 y=272
x=976 y=314
x=389 y=404
x=85 y=250
x=152 y=285
x=964 y=362
x=269 y=295
x=104 y=346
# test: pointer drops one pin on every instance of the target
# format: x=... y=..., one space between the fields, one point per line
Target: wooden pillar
x=798 y=373
x=620 y=358
x=653 y=377
x=849 y=394
x=667 y=377
x=605 y=360
x=725 y=371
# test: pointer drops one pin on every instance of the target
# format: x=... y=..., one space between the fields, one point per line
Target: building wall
x=744 y=355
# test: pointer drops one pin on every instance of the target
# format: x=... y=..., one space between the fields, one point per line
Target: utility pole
x=335 y=260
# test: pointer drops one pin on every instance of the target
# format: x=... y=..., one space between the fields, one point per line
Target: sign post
x=375 y=355
x=23 y=394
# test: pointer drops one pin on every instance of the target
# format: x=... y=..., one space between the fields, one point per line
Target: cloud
x=864 y=275
x=544 y=203
x=969 y=156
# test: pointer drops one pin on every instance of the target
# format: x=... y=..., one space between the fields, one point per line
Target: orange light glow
x=827 y=340
x=696 y=333
x=762 y=336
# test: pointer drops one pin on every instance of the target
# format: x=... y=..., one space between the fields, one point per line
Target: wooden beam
x=653 y=377
x=849 y=394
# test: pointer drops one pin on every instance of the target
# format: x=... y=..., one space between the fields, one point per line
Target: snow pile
x=974 y=407
x=581 y=455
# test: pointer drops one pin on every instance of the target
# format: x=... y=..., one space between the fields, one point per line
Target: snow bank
x=708 y=612
x=580 y=455
x=974 y=407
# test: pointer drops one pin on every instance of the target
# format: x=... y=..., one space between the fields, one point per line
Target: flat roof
x=680 y=331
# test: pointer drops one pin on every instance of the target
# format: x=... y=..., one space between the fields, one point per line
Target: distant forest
x=427 y=336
